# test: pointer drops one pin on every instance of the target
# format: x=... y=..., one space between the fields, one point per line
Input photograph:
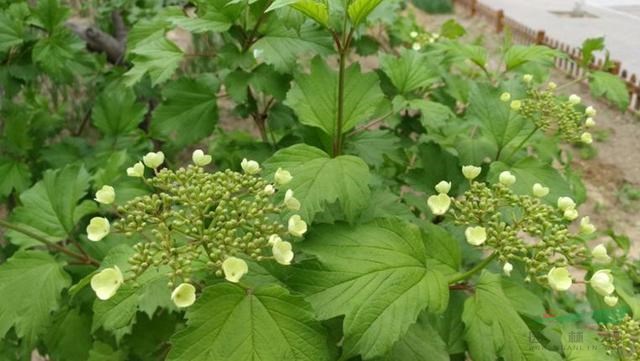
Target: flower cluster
x=623 y=338
x=523 y=228
x=550 y=113
x=422 y=39
x=193 y=216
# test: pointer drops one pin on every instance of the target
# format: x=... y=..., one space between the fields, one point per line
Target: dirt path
x=611 y=170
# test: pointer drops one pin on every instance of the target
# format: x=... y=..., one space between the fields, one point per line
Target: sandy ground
x=612 y=171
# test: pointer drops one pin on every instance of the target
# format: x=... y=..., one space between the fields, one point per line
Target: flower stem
x=477 y=268
x=84 y=258
x=519 y=146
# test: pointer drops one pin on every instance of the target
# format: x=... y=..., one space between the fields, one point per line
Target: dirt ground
x=610 y=169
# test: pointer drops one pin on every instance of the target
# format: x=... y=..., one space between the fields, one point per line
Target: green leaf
x=408 y=71
x=359 y=10
x=30 y=285
x=57 y=54
x=14 y=175
x=442 y=247
x=53 y=206
x=519 y=55
x=319 y=180
x=69 y=337
x=314 y=97
x=214 y=15
x=315 y=10
x=159 y=57
x=377 y=275
x=452 y=29
x=610 y=86
x=494 y=328
x=434 y=164
x=11 y=33
x=422 y=342
x=103 y=352
x=494 y=116
x=228 y=322
x=374 y=146
x=49 y=14
x=148 y=293
x=282 y=46
x=529 y=171
x=116 y=111
x=589 y=46
x=189 y=104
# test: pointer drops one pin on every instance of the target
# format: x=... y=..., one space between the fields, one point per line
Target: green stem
x=570 y=83
x=84 y=258
x=337 y=142
x=477 y=268
x=519 y=146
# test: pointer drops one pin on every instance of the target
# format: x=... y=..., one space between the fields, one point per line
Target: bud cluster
x=199 y=215
x=550 y=113
x=422 y=39
x=517 y=227
x=623 y=338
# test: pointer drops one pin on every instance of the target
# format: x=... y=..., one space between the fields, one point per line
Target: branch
x=100 y=41
x=84 y=258
x=477 y=268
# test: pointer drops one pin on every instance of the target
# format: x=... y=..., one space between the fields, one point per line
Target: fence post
x=616 y=67
x=540 y=37
x=499 y=21
x=474 y=4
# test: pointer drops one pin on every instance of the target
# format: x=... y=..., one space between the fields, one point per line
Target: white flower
x=565 y=203
x=570 y=214
x=507 y=268
x=257 y=53
x=416 y=46
x=98 y=228
x=611 y=300
x=527 y=78
x=137 y=170
x=282 y=176
x=586 y=227
x=507 y=178
x=559 y=278
x=435 y=35
x=269 y=190
x=153 y=160
x=516 y=105
x=413 y=34
x=589 y=122
x=282 y=252
x=290 y=201
x=574 y=99
x=297 y=227
x=250 y=166
x=470 y=172
x=443 y=187
x=199 y=158
x=106 y=195
x=505 y=97
x=273 y=239
x=590 y=111
x=234 y=268
x=602 y=282
x=599 y=254
x=184 y=295
x=439 y=204
x=539 y=190
x=586 y=138
x=475 y=235
x=106 y=282
x=552 y=85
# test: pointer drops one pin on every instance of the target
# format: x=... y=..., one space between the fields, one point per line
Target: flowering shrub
x=238 y=185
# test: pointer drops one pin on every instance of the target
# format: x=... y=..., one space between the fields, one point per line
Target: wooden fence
x=525 y=35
